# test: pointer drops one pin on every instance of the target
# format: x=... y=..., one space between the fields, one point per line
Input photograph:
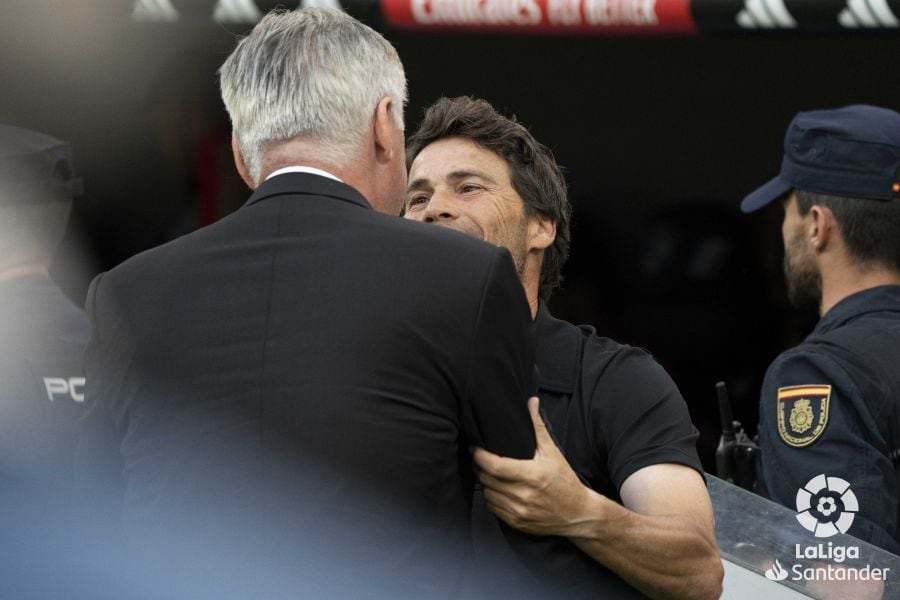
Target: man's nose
x=441 y=207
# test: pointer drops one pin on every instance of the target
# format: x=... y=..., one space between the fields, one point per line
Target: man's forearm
x=664 y=547
x=662 y=556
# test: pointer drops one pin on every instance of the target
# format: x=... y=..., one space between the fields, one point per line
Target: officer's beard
x=804 y=281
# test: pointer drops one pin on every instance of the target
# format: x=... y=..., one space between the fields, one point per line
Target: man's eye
x=469 y=187
x=416 y=201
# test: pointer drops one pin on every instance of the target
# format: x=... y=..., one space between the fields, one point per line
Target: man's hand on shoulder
x=542 y=495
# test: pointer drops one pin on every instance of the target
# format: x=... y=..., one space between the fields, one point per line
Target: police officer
x=42 y=333
x=831 y=406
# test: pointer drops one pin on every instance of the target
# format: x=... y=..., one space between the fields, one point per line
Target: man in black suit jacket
x=301 y=381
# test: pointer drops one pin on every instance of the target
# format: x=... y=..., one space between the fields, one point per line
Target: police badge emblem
x=802 y=413
x=801 y=416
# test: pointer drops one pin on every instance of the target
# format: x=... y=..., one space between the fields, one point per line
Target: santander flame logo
x=777 y=572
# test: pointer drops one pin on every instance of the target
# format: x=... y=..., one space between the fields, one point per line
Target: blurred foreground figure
x=831 y=406
x=288 y=395
x=42 y=340
x=42 y=334
x=624 y=485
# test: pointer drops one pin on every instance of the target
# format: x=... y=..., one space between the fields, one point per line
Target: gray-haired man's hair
x=316 y=74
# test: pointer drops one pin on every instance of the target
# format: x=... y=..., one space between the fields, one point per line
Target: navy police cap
x=852 y=152
x=35 y=166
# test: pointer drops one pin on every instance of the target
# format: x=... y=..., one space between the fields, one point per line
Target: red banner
x=542 y=16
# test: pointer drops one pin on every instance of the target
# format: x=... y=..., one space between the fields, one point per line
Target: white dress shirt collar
x=299 y=169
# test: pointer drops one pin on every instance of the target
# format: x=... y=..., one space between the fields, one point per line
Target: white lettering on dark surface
x=476 y=12
x=73 y=387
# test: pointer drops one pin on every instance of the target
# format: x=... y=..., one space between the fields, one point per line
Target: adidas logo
x=224 y=11
x=867 y=13
x=858 y=14
x=765 y=14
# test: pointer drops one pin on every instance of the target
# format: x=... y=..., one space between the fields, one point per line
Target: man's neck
x=837 y=286
x=273 y=167
x=23 y=271
x=356 y=176
x=530 y=283
x=533 y=305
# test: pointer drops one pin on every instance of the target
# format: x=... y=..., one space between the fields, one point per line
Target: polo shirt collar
x=558 y=347
x=877 y=299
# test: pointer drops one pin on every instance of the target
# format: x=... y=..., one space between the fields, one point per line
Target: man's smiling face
x=458 y=184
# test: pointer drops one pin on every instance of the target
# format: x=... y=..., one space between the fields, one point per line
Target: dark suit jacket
x=307 y=375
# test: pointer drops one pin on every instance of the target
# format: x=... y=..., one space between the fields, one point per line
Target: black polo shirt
x=613 y=410
x=830 y=407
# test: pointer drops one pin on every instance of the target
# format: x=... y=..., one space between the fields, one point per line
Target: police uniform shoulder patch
x=802 y=413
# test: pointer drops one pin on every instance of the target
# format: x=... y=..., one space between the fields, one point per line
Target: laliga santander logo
x=826 y=506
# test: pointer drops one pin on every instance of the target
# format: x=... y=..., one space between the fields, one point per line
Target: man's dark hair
x=533 y=171
x=871 y=228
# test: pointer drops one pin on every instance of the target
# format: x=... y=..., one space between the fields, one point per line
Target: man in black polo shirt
x=830 y=407
x=631 y=514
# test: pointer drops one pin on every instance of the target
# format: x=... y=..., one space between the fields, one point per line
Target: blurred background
x=661 y=133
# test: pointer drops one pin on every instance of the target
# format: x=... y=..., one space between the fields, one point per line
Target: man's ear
x=384 y=130
x=822 y=227
x=243 y=171
x=541 y=232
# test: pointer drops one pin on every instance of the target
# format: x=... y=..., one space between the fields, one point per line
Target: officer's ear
x=823 y=228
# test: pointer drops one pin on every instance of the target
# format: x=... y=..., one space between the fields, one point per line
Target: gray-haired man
x=300 y=368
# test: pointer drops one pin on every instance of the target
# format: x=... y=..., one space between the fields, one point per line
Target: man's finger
x=540 y=428
x=500 y=509
x=498 y=466
x=485 y=460
x=503 y=486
